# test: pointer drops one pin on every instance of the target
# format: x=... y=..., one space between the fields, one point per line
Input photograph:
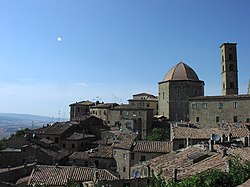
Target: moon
x=59 y=39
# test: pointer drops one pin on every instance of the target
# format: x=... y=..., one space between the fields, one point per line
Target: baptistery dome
x=181 y=71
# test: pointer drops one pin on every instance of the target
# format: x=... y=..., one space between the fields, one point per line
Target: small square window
x=235 y=105
x=220 y=105
x=204 y=105
x=194 y=105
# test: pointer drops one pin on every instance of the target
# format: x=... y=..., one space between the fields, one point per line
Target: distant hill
x=10 y=123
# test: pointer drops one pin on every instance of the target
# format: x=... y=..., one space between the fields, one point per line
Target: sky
x=54 y=53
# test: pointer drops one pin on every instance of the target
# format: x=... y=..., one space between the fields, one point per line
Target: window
x=132 y=156
x=127 y=113
x=222 y=58
x=148 y=105
x=235 y=119
x=235 y=105
x=56 y=139
x=163 y=95
x=217 y=119
x=100 y=112
x=48 y=138
x=220 y=105
x=73 y=145
x=124 y=156
x=104 y=112
x=247 y=120
x=64 y=145
x=230 y=56
x=231 y=85
x=204 y=105
x=194 y=105
x=223 y=68
x=197 y=119
x=231 y=67
x=124 y=169
x=115 y=153
x=143 y=158
x=96 y=163
x=223 y=85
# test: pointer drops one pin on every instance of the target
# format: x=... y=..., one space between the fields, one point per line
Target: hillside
x=10 y=123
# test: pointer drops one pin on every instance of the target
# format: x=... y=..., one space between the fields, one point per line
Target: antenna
x=215 y=137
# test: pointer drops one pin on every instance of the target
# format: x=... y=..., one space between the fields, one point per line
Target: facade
x=132 y=119
x=79 y=110
x=211 y=111
x=179 y=84
x=229 y=69
x=145 y=100
x=102 y=111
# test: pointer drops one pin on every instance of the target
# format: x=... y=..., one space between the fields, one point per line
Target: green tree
x=158 y=134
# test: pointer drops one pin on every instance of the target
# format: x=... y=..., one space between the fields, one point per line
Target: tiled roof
x=237 y=130
x=105 y=105
x=56 y=128
x=85 y=103
x=188 y=162
x=124 y=140
x=244 y=153
x=101 y=151
x=130 y=107
x=79 y=136
x=220 y=97
x=152 y=146
x=58 y=175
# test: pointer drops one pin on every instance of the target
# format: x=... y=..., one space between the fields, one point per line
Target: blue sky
x=111 y=49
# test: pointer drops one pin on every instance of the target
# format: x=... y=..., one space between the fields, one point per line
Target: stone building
x=179 y=84
x=229 y=69
x=79 y=110
x=102 y=111
x=132 y=118
x=211 y=111
x=145 y=100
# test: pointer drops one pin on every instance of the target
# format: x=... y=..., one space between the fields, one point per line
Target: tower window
x=231 y=67
x=231 y=85
x=197 y=119
x=223 y=68
x=230 y=56
x=222 y=58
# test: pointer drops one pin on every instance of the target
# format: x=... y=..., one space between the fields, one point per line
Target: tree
x=158 y=134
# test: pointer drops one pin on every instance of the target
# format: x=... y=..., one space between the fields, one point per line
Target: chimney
x=211 y=145
x=223 y=138
x=174 y=174
x=229 y=137
x=224 y=152
x=96 y=176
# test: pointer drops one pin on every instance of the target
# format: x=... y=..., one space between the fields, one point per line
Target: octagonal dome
x=181 y=71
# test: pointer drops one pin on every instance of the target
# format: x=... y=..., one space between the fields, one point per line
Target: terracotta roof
x=58 y=175
x=105 y=105
x=181 y=71
x=101 y=151
x=79 y=136
x=220 y=97
x=130 y=107
x=237 y=130
x=124 y=140
x=152 y=146
x=188 y=162
x=244 y=153
x=85 y=103
x=56 y=128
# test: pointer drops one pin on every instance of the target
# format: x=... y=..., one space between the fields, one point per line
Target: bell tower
x=229 y=69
